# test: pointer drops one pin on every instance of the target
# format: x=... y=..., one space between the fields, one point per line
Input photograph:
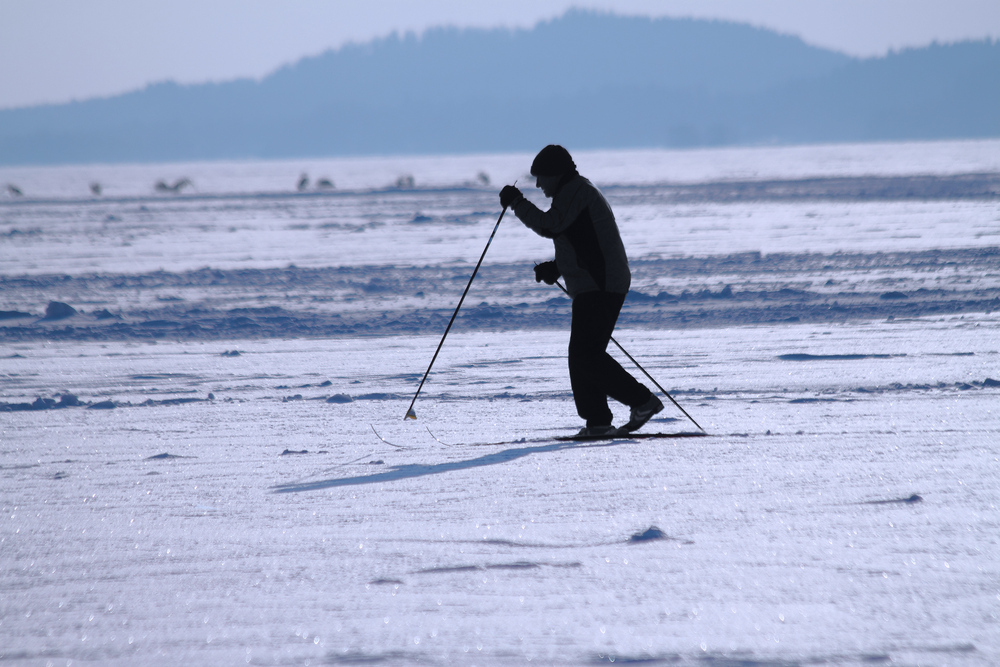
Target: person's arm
x=549 y=223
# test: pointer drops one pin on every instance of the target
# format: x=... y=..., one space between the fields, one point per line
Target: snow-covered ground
x=238 y=507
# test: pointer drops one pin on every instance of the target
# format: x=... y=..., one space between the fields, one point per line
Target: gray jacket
x=589 y=250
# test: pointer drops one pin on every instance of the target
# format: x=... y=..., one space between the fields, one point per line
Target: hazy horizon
x=76 y=53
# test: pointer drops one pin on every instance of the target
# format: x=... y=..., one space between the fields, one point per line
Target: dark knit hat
x=552 y=160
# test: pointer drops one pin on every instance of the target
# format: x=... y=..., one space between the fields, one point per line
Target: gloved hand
x=510 y=196
x=547 y=271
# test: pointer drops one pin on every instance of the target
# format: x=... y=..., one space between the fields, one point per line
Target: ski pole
x=410 y=414
x=651 y=379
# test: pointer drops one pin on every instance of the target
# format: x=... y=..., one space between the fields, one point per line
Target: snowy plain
x=236 y=506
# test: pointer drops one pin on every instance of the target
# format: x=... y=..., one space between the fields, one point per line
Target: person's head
x=550 y=166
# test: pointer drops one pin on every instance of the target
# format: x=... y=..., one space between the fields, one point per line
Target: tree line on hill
x=585 y=79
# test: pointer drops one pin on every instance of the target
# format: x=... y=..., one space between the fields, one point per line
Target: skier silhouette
x=591 y=257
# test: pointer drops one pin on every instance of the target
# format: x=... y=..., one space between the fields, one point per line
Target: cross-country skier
x=591 y=257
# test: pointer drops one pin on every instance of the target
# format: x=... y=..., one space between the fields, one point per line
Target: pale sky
x=60 y=50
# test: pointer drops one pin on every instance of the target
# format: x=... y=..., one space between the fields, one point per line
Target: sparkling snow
x=238 y=506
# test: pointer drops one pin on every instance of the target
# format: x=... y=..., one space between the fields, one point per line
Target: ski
x=630 y=436
x=609 y=437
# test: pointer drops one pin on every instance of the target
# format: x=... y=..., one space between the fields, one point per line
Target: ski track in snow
x=231 y=504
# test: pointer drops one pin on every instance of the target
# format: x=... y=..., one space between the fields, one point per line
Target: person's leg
x=586 y=343
x=616 y=381
x=594 y=374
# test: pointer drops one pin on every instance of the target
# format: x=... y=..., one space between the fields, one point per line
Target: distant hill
x=588 y=80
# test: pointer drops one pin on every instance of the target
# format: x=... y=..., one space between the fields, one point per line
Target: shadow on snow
x=420 y=469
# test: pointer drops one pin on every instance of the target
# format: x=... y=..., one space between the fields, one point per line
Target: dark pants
x=593 y=373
